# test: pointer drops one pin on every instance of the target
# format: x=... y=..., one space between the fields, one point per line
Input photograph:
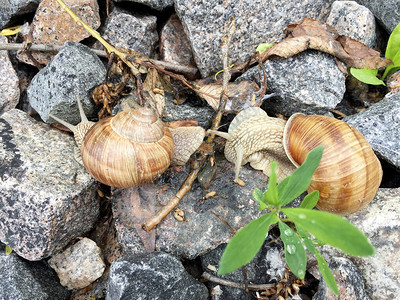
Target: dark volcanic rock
x=151 y=276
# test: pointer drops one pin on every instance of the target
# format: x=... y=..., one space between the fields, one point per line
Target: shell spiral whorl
x=128 y=149
x=349 y=173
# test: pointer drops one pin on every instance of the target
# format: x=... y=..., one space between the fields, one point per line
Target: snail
x=128 y=149
x=349 y=173
x=254 y=137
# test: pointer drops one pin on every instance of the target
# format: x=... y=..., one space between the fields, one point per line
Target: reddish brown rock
x=51 y=25
x=9 y=89
x=174 y=45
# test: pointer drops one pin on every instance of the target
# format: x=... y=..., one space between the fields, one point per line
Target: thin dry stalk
x=239 y=285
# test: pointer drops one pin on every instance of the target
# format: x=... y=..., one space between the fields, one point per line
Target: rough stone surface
x=266 y=267
x=354 y=20
x=72 y=74
x=53 y=26
x=188 y=111
x=309 y=82
x=152 y=276
x=380 y=124
x=202 y=230
x=256 y=22
x=24 y=280
x=348 y=278
x=387 y=12
x=174 y=45
x=380 y=222
x=9 y=83
x=11 y=9
x=79 y=265
x=155 y=4
x=47 y=198
x=135 y=32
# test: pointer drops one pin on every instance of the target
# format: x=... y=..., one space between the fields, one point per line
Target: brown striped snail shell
x=349 y=173
x=129 y=149
x=125 y=150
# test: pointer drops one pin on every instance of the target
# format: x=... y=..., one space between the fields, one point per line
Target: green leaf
x=258 y=196
x=326 y=273
x=331 y=229
x=390 y=69
x=8 y=250
x=300 y=179
x=294 y=251
x=367 y=76
x=306 y=239
x=245 y=244
x=271 y=195
x=310 y=200
x=393 y=45
x=263 y=47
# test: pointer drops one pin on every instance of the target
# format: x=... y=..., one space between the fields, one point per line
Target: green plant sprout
x=369 y=76
x=326 y=228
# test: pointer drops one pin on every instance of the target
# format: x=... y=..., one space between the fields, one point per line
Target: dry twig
x=239 y=285
x=101 y=53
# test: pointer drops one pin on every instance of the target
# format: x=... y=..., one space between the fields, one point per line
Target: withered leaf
x=313 y=34
x=153 y=91
x=240 y=95
x=182 y=123
x=311 y=27
x=134 y=207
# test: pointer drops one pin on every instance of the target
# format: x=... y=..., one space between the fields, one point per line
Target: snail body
x=349 y=173
x=254 y=137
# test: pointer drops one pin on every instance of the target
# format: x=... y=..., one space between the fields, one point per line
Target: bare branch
x=239 y=285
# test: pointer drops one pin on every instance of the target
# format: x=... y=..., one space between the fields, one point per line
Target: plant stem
x=239 y=285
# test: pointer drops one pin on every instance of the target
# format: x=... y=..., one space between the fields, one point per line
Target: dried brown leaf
x=182 y=123
x=311 y=27
x=134 y=207
x=153 y=91
x=313 y=34
x=240 y=95
x=360 y=55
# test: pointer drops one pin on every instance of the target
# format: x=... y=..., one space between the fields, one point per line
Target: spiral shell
x=129 y=149
x=349 y=173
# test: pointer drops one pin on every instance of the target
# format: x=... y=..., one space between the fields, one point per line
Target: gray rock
x=256 y=22
x=9 y=82
x=309 y=82
x=79 y=265
x=11 y=9
x=188 y=111
x=380 y=124
x=266 y=267
x=354 y=20
x=380 y=222
x=155 y=4
x=135 y=32
x=387 y=12
x=202 y=230
x=24 y=280
x=348 y=278
x=152 y=276
x=72 y=74
x=47 y=198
